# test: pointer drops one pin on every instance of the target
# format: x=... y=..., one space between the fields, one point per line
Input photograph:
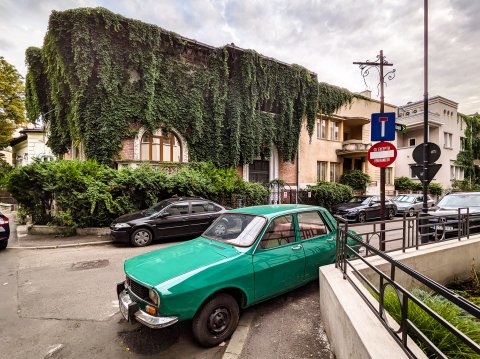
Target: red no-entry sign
x=382 y=154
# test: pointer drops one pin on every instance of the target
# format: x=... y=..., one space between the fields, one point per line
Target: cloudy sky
x=325 y=36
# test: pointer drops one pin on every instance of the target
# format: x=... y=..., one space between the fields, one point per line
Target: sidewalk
x=20 y=239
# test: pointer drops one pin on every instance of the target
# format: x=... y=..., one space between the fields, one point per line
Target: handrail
x=346 y=249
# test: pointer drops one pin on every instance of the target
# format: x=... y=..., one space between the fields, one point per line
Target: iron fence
x=346 y=253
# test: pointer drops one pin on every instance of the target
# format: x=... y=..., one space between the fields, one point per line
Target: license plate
x=444 y=228
x=448 y=228
x=123 y=301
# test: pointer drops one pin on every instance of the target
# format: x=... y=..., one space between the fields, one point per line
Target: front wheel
x=216 y=320
x=3 y=244
x=141 y=237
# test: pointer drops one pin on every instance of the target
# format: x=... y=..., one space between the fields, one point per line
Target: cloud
x=324 y=36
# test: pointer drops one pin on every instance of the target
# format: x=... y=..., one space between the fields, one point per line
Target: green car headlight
x=154 y=297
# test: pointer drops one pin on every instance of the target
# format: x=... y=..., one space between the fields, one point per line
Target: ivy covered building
x=124 y=92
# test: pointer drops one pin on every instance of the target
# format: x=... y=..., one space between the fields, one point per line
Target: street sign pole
x=424 y=230
x=381 y=63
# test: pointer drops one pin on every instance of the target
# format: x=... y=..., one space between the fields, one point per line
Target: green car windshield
x=238 y=229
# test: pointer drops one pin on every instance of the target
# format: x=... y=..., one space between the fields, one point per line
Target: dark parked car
x=171 y=218
x=4 y=231
x=411 y=203
x=443 y=222
x=364 y=208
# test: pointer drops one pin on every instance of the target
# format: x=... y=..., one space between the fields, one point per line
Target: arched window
x=161 y=146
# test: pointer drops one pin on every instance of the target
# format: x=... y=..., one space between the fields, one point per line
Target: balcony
x=351 y=147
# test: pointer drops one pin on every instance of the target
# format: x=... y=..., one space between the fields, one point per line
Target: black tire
x=141 y=237
x=216 y=320
x=361 y=217
x=3 y=244
x=391 y=213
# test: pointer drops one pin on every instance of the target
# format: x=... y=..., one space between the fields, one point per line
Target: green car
x=246 y=256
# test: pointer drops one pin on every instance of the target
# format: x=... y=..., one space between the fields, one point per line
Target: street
x=61 y=303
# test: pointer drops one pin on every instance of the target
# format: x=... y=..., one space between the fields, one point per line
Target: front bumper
x=131 y=311
x=120 y=235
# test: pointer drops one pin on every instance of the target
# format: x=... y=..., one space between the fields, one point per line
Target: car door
x=279 y=259
x=318 y=242
x=172 y=221
x=374 y=208
x=200 y=217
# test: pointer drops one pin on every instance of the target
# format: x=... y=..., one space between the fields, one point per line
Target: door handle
x=296 y=248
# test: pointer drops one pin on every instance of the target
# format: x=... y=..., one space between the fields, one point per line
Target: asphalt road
x=61 y=303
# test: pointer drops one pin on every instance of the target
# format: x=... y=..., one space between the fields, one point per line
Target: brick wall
x=126 y=153
x=287 y=171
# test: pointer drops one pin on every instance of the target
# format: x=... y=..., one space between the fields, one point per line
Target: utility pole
x=365 y=67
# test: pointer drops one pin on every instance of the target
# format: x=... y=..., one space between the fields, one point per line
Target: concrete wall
x=352 y=328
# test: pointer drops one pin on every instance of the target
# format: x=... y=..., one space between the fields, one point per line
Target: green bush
x=5 y=169
x=328 y=194
x=435 y=189
x=86 y=194
x=404 y=184
x=446 y=341
x=355 y=179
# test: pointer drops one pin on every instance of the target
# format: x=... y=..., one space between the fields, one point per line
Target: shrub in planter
x=328 y=194
x=435 y=189
x=404 y=184
x=254 y=194
x=356 y=179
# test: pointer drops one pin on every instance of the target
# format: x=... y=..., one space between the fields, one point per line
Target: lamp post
x=365 y=68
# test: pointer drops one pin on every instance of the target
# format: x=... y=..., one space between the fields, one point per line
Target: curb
x=239 y=337
x=97 y=243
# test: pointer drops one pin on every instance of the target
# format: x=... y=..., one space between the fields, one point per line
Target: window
x=279 y=232
x=161 y=146
x=447 y=140
x=259 y=171
x=334 y=171
x=456 y=172
x=200 y=207
x=334 y=130
x=311 y=225
x=412 y=175
x=324 y=129
x=411 y=142
x=321 y=171
x=178 y=209
x=318 y=129
x=463 y=143
x=388 y=175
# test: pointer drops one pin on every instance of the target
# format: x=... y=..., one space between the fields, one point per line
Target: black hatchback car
x=4 y=231
x=363 y=208
x=175 y=217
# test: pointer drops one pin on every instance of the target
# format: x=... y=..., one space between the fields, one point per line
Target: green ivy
x=100 y=75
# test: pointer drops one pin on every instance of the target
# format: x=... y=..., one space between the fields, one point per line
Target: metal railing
x=348 y=244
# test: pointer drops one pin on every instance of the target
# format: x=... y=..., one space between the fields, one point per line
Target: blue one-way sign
x=383 y=126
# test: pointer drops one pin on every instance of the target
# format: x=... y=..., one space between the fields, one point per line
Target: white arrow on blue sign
x=383 y=126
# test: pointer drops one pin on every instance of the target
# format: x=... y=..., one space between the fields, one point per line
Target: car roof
x=273 y=210
x=462 y=193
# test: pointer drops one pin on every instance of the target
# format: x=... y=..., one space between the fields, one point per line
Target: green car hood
x=156 y=267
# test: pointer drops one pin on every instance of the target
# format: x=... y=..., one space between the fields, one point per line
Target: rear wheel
x=141 y=237
x=3 y=244
x=391 y=213
x=361 y=217
x=216 y=320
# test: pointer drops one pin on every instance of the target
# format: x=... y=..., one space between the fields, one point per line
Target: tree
x=12 y=106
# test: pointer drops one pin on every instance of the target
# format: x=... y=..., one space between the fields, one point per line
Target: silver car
x=411 y=203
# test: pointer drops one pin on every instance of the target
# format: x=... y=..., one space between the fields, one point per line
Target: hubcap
x=142 y=238
x=361 y=217
x=218 y=321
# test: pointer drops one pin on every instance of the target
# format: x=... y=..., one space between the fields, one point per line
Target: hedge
x=87 y=194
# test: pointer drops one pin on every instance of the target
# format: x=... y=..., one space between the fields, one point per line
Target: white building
x=31 y=144
x=445 y=129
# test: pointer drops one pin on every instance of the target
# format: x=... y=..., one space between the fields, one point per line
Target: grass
x=446 y=341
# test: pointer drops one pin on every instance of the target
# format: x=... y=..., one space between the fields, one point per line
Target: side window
x=311 y=225
x=212 y=207
x=178 y=209
x=200 y=207
x=279 y=232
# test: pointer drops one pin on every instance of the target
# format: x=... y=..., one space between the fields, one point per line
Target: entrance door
x=259 y=171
